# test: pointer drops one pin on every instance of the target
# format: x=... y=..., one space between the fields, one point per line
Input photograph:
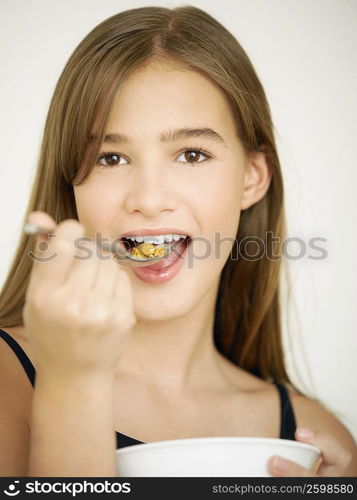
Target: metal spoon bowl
x=117 y=251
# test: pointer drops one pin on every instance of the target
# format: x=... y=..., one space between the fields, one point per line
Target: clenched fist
x=79 y=311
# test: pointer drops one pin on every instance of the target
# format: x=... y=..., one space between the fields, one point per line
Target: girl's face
x=153 y=177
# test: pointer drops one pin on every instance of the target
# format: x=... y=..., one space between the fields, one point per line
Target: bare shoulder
x=18 y=333
x=313 y=415
x=12 y=372
x=15 y=409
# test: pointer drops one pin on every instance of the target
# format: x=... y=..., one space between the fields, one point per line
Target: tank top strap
x=287 y=417
x=21 y=355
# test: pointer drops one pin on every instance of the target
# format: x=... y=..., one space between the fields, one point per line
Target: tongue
x=177 y=249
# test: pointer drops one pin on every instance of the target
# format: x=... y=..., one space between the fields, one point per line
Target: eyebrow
x=169 y=136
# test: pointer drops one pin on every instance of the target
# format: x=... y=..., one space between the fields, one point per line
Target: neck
x=177 y=355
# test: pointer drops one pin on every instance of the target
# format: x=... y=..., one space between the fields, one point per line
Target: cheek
x=218 y=209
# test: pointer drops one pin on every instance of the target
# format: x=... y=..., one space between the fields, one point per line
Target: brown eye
x=194 y=155
x=110 y=160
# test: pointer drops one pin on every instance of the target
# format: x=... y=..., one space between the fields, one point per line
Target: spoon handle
x=31 y=229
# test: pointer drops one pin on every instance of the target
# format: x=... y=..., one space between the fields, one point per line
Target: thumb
x=42 y=220
x=334 y=457
x=39 y=220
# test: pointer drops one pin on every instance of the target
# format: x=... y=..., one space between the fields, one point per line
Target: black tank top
x=287 y=418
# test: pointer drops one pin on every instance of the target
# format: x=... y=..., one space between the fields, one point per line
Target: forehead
x=160 y=96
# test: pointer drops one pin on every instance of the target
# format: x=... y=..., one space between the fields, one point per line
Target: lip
x=157 y=273
x=153 y=232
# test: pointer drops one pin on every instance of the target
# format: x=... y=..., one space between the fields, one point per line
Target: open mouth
x=165 y=269
x=155 y=247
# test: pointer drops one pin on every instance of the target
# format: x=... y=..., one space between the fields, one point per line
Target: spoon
x=118 y=252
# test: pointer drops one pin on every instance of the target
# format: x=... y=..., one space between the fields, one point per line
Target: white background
x=304 y=53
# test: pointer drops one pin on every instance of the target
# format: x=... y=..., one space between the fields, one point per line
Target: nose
x=150 y=192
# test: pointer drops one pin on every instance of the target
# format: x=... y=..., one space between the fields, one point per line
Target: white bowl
x=210 y=457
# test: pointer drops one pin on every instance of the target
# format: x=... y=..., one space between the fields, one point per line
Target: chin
x=162 y=310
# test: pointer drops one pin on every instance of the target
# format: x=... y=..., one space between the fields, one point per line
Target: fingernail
x=280 y=464
x=30 y=228
x=304 y=433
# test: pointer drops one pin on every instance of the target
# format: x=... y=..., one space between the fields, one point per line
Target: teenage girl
x=158 y=125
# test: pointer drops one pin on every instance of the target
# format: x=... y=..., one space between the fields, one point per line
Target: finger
x=51 y=270
x=334 y=457
x=41 y=219
x=123 y=285
x=107 y=277
x=281 y=467
x=123 y=292
x=82 y=273
x=39 y=252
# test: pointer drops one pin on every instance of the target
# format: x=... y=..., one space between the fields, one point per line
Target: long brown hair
x=247 y=326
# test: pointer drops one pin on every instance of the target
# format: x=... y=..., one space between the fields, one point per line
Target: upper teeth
x=158 y=239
